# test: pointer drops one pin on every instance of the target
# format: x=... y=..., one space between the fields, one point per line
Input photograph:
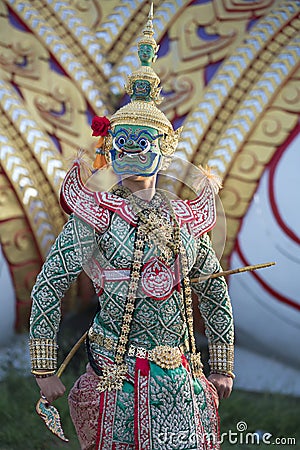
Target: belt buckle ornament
x=166 y=357
x=113 y=377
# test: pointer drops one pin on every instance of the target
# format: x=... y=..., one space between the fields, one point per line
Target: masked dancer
x=144 y=386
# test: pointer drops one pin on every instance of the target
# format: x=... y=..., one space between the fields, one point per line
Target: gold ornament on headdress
x=143 y=114
x=143 y=89
x=145 y=73
x=148 y=33
x=147 y=49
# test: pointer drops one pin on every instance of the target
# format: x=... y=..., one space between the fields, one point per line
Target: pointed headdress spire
x=143 y=89
x=148 y=33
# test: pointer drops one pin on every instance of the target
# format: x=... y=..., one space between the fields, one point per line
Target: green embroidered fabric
x=155 y=322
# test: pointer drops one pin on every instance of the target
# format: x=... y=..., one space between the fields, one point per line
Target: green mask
x=136 y=150
x=146 y=54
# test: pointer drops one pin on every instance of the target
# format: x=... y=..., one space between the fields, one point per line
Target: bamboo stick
x=225 y=273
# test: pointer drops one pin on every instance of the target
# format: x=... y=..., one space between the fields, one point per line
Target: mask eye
x=121 y=141
x=143 y=143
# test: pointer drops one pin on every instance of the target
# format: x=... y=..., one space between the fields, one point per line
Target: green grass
x=22 y=429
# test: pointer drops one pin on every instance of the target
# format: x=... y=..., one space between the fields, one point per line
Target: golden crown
x=145 y=73
x=143 y=114
x=143 y=89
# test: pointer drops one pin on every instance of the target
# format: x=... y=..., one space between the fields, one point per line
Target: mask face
x=136 y=150
x=141 y=90
x=146 y=54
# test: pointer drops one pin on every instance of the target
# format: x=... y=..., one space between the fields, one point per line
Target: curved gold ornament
x=49 y=413
x=169 y=142
x=51 y=417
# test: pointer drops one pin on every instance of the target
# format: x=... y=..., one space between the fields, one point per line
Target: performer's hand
x=222 y=383
x=51 y=387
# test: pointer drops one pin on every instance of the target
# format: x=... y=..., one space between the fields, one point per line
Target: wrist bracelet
x=43 y=354
x=228 y=374
x=221 y=357
x=38 y=374
x=45 y=375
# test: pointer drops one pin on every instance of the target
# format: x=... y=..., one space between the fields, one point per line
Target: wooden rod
x=232 y=271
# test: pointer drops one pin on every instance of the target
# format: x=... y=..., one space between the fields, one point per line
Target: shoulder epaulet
x=76 y=198
x=198 y=214
x=204 y=211
x=93 y=207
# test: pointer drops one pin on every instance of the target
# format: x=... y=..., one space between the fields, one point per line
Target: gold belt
x=106 y=342
x=163 y=355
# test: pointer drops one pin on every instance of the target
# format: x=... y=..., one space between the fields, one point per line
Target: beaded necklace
x=114 y=375
x=157 y=229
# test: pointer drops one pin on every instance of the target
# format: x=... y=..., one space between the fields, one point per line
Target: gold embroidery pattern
x=112 y=377
x=43 y=354
x=106 y=342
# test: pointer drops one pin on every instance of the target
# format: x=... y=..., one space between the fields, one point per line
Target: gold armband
x=43 y=354
x=221 y=358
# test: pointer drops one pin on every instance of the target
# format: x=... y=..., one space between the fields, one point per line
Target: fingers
x=221 y=391
x=222 y=383
x=224 y=391
x=51 y=388
x=227 y=392
x=50 y=395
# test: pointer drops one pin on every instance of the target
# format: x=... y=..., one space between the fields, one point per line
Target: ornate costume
x=144 y=387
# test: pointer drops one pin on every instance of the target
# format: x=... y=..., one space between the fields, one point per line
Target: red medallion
x=157 y=279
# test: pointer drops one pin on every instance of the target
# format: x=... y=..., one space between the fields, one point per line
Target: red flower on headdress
x=100 y=126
